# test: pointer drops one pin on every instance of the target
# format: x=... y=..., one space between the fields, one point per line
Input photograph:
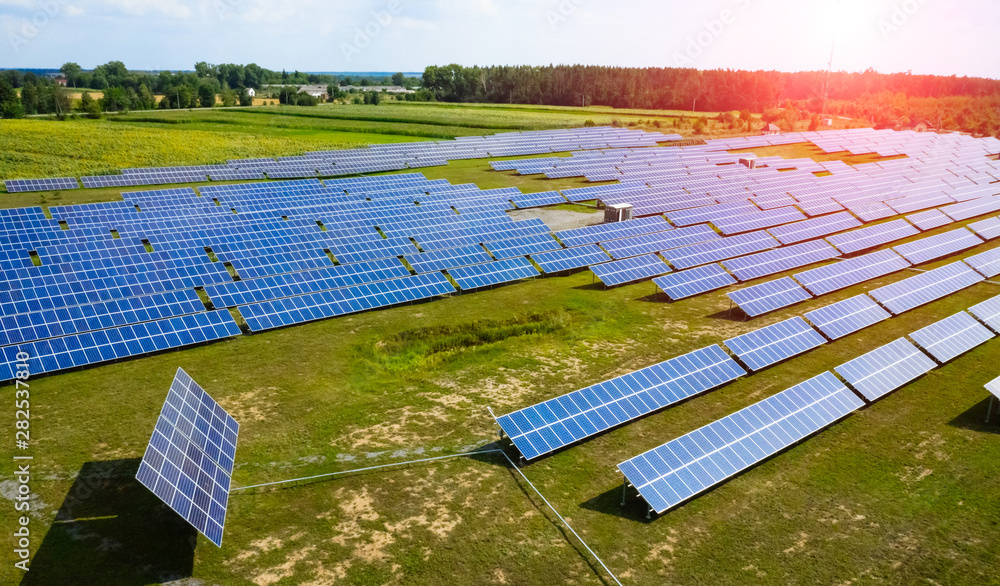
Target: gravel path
x=559 y=219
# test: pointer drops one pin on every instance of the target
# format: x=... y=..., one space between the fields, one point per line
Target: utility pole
x=829 y=69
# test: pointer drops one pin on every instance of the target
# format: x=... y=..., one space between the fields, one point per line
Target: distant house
x=316 y=91
x=251 y=92
x=770 y=129
x=61 y=81
x=923 y=127
x=389 y=89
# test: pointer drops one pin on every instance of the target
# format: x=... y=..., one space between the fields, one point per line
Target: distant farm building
x=770 y=129
x=251 y=92
x=389 y=89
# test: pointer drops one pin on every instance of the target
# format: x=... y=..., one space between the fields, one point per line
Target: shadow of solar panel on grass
x=974 y=418
x=112 y=530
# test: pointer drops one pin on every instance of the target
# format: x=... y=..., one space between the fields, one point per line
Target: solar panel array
x=851 y=272
x=493 y=273
x=695 y=281
x=783 y=259
x=952 y=337
x=986 y=264
x=26 y=185
x=556 y=423
x=988 y=312
x=188 y=463
x=938 y=246
x=674 y=472
x=775 y=343
x=884 y=370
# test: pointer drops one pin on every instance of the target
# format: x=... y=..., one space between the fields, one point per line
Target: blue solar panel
x=884 y=370
x=570 y=258
x=766 y=346
x=658 y=242
x=630 y=270
x=973 y=208
x=872 y=236
x=123 y=342
x=759 y=221
x=694 y=281
x=602 y=232
x=940 y=245
x=439 y=260
x=294 y=310
x=926 y=287
x=680 y=469
x=951 y=337
x=994 y=387
x=778 y=261
x=720 y=249
x=556 y=423
x=814 y=228
x=26 y=185
x=988 y=312
x=851 y=272
x=987 y=264
x=768 y=297
x=847 y=316
x=515 y=247
x=493 y=273
x=929 y=220
x=189 y=460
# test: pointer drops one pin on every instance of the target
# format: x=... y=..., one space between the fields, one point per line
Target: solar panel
x=493 y=273
x=766 y=346
x=680 y=469
x=777 y=261
x=694 y=281
x=630 y=270
x=601 y=232
x=986 y=229
x=814 y=228
x=767 y=219
x=768 y=297
x=26 y=185
x=951 y=337
x=994 y=387
x=189 y=460
x=973 y=208
x=570 y=258
x=935 y=247
x=872 y=236
x=658 y=242
x=439 y=260
x=513 y=247
x=556 y=423
x=929 y=220
x=884 y=370
x=720 y=249
x=987 y=264
x=847 y=316
x=988 y=312
x=926 y=287
x=851 y=272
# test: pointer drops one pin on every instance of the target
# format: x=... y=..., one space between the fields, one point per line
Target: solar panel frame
x=994 y=387
x=848 y=273
x=986 y=264
x=988 y=229
x=988 y=312
x=767 y=297
x=951 y=337
x=189 y=460
x=924 y=288
x=937 y=246
x=493 y=273
x=691 y=282
x=872 y=236
x=885 y=369
x=630 y=270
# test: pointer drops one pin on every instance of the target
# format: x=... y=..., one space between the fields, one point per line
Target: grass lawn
x=900 y=492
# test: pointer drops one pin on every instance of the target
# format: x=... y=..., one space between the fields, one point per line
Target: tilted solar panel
x=680 y=469
x=630 y=270
x=814 y=228
x=768 y=297
x=188 y=463
x=493 y=273
x=847 y=316
x=694 y=281
x=777 y=261
x=937 y=246
x=987 y=264
x=570 y=258
x=952 y=337
x=926 y=287
x=986 y=229
x=766 y=346
x=994 y=387
x=872 y=236
x=851 y=272
x=884 y=370
x=556 y=423
x=988 y=312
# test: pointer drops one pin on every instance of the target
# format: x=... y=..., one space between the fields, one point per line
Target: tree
x=89 y=106
x=71 y=71
x=244 y=97
x=114 y=100
x=146 y=97
x=206 y=96
x=229 y=98
x=29 y=98
x=10 y=105
x=398 y=79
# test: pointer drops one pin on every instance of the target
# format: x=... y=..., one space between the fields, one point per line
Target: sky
x=959 y=37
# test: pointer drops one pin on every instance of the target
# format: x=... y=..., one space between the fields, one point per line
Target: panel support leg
x=649 y=512
x=624 y=489
x=989 y=411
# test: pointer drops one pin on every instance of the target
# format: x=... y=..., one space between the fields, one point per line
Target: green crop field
x=901 y=492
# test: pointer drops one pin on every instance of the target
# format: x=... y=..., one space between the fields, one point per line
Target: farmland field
x=900 y=492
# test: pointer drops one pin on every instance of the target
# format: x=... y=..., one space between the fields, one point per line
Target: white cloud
x=170 y=8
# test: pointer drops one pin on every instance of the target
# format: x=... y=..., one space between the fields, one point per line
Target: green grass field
x=901 y=492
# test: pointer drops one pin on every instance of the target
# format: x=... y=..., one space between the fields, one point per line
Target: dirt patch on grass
x=406 y=426
x=558 y=220
x=255 y=405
